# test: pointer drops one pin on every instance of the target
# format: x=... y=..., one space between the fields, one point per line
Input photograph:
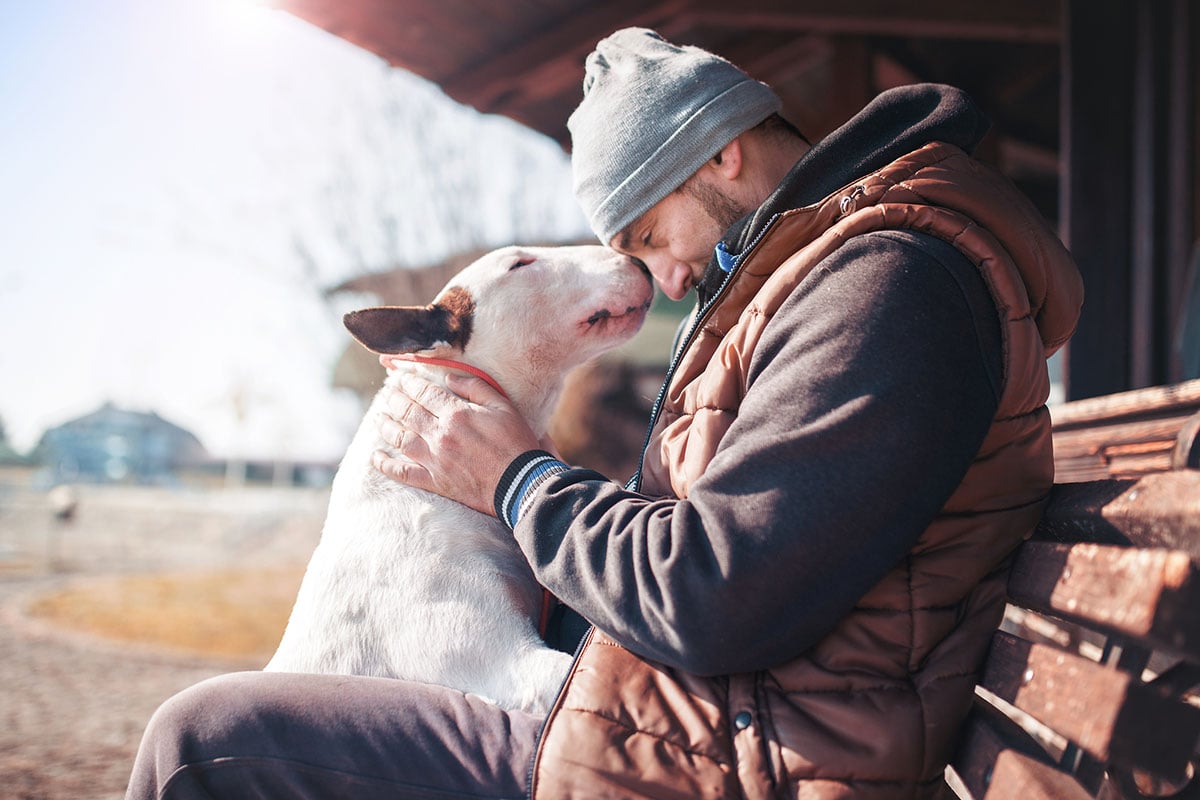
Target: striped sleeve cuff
x=526 y=472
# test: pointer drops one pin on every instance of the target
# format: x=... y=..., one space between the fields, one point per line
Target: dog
x=406 y=584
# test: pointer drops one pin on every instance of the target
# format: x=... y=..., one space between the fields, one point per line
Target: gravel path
x=72 y=710
x=73 y=707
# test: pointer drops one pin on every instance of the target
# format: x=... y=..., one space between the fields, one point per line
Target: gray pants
x=278 y=735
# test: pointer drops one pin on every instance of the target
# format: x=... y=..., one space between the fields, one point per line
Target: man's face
x=676 y=237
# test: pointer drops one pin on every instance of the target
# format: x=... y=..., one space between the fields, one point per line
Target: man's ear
x=408 y=329
x=728 y=162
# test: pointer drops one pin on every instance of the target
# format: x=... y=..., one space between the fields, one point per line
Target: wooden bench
x=1128 y=434
x=1091 y=688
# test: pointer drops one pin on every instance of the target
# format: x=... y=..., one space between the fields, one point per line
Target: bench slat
x=1178 y=399
x=999 y=761
x=1147 y=595
x=1155 y=511
x=1107 y=712
x=1117 y=451
x=1127 y=434
x=1113 y=562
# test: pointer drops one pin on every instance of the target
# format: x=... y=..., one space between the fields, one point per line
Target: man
x=796 y=594
x=793 y=595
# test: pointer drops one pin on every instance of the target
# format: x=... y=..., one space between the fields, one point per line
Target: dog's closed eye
x=521 y=261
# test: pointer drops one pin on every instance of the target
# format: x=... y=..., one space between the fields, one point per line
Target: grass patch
x=232 y=614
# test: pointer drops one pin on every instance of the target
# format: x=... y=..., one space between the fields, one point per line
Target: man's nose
x=674 y=283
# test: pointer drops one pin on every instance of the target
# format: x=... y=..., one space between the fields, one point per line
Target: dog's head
x=524 y=315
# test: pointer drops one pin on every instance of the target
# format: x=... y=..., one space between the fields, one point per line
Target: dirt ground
x=72 y=705
x=72 y=709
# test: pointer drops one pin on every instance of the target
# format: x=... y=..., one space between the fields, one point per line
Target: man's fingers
x=406 y=407
x=439 y=401
x=407 y=442
x=435 y=399
x=402 y=471
x=476 y=390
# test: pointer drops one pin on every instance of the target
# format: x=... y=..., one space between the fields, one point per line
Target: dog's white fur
x=410 y=585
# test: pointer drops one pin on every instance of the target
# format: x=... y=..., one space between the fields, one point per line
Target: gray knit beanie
x=652 y=113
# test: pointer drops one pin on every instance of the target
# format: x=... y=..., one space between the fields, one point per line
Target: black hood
x=896 y=122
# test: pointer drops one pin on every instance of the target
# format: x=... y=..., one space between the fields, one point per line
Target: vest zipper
x=537 y=743
x=848 y=202
x=635 y=483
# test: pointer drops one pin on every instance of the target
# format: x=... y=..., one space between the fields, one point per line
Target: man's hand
x=454 y=443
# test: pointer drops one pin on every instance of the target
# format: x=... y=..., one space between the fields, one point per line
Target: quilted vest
x=872 y=710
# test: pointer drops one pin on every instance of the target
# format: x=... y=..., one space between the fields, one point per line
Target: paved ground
x=72 y=708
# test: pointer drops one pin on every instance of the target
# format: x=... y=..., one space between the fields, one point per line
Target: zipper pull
x=847 y=203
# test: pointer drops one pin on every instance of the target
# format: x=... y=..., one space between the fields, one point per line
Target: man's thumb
x=477 y=389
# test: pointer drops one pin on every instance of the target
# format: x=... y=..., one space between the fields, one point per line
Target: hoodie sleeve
x=868 y=397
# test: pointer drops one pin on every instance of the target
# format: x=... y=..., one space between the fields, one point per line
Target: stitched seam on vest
x=924 y=717
x=900 y=611
x=912 y=613
x=869 y=781
x=950 y=675
x=618 y=723
x=1023 y=415
x=907 y=689
x=769 y=735
x=985 y=512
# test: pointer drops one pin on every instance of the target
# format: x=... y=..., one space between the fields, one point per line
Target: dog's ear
x=408 y=329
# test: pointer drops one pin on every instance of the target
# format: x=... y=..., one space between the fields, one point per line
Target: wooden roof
x=524 y=58
x=1089 y=99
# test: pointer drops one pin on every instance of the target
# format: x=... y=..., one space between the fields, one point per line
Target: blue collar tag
x=725 y=259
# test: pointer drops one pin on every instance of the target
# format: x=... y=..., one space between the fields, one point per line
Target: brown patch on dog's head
x=408 y=329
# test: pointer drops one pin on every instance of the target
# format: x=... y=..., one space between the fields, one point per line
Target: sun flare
x=243 y=16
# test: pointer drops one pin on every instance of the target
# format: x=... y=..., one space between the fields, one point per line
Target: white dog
x=407 y=584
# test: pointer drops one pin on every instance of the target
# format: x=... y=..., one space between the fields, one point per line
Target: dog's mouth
x=608 y=315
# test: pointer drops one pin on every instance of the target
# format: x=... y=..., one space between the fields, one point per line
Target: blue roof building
x=112 y=445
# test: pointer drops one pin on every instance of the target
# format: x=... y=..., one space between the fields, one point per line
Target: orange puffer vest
x=873 y=709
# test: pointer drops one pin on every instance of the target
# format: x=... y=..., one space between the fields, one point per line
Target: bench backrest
x=1128 y=434
x=1090 y=687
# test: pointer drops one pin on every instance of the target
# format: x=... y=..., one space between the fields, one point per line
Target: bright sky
x=159 y=161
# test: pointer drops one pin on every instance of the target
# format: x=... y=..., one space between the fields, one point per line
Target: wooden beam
x=1149 y=325
x=549 y=59
x=781 y=64
x=1182 y=230
x=1182 y=399
x=1108 y=712
x=997 y=760
x=1096 y=211
x=1010 y=21
x=1155 y=511
x=1144 y=594
x=1127 y=434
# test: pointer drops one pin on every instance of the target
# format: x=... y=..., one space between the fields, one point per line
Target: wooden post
x=1097 y=108
x=1182 y=227
x=1128 y=185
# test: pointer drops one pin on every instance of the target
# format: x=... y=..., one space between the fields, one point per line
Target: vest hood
x=896 y=122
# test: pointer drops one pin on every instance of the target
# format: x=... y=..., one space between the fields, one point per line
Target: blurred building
x=114 y=445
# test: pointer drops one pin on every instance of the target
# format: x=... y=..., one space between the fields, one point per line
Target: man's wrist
x=522 y=476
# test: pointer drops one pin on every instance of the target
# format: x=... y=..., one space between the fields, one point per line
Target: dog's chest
x=409 y=537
